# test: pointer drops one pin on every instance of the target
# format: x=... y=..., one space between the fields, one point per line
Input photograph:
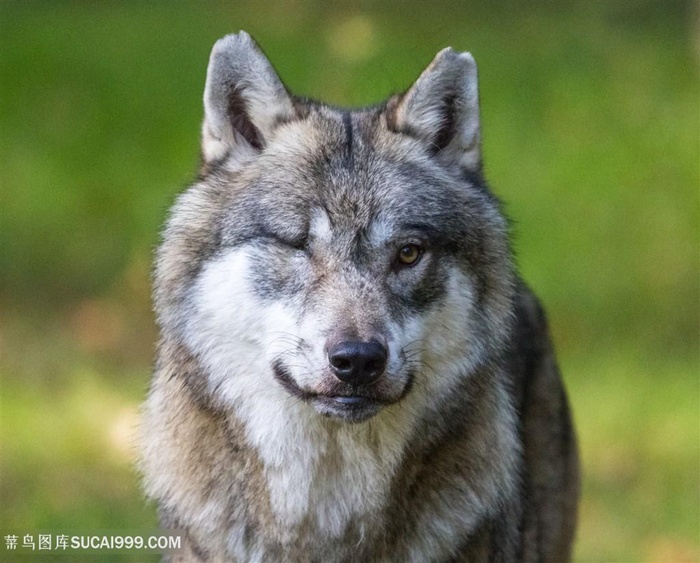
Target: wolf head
x=330 y=261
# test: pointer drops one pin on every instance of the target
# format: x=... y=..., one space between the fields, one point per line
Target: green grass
x=640 y=441
x=590 y=114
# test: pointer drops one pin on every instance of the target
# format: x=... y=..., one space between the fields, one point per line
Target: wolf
x=350 y=367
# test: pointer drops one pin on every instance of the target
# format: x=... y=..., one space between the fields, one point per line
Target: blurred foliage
x=590 y=115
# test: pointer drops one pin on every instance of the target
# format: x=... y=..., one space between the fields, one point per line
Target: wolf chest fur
x=350 y=368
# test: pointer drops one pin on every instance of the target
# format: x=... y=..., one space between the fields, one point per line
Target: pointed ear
x=244 y=99
x=442 y=108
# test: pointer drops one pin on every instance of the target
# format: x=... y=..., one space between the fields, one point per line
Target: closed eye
x=300 y=243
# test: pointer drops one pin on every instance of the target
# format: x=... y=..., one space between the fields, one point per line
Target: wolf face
x=340 y=258
x=350 y=368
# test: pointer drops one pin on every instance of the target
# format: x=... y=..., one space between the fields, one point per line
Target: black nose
x=356 y=362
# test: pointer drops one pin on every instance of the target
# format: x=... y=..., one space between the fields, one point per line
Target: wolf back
x=350 y=367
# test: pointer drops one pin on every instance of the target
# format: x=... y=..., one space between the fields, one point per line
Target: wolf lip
x=350 y=401
x=350 y=408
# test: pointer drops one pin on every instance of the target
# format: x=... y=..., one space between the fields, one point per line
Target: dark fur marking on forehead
x=349 y=155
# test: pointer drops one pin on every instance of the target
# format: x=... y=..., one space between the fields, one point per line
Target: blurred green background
x=591 y=135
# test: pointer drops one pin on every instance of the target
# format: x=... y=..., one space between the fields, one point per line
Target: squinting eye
x=300 y=244
x=409 y=254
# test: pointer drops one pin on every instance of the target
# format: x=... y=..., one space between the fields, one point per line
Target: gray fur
x=288 y=243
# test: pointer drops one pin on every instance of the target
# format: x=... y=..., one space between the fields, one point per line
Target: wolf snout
x=357 y=362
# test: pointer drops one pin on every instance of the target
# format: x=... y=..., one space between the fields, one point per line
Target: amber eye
x=409 y=254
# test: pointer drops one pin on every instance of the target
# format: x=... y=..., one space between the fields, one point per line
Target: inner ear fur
x=442 y=109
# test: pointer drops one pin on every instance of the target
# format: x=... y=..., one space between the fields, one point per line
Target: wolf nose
x=356 y=362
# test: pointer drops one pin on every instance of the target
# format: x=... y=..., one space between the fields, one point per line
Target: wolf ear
x=442 y=108
x=244 y=99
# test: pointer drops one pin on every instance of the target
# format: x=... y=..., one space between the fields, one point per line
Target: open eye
x=409 y=254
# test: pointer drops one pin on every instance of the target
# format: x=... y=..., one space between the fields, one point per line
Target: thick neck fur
x=311 y=482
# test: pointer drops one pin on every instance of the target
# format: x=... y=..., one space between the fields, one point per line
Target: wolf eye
x=297 y=243
x=409 y=254
x=300 y=243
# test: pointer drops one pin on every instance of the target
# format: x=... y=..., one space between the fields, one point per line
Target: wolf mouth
x=349 y=400
x=351 y=407
x=285 y=379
